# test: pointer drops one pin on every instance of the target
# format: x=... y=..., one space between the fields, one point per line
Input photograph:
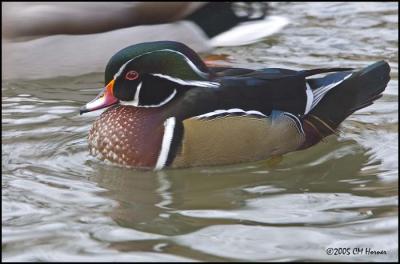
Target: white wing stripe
x=310 y=98
x=319 y=93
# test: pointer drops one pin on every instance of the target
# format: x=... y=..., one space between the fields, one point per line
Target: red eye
x=131 y=75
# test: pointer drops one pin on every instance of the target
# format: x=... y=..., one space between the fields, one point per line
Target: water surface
x=58 y=203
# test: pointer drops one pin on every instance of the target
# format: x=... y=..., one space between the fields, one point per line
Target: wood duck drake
x=168 y=109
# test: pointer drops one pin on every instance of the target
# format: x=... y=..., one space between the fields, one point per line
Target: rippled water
x=58 y=203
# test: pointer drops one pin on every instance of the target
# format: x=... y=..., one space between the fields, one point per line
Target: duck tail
x=356 y=90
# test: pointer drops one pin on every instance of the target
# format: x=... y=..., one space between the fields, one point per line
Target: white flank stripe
x=230 y=111
x=253 y=112
x=169 y=126
x=216 y=112
x=310 y=98
x=188 y=82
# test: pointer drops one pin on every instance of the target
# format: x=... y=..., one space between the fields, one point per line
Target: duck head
x=150 y=74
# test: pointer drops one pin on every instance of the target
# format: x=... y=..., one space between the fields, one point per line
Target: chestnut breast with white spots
x=128 y=136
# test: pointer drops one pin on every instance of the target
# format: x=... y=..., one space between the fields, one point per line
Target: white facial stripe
x=136 y=98
x=169 y=98
x=191 y=64
x=169 y=126
x=189 y=82
x=230 y=111
x=310 y=98
x=121 y=69
x=136 y=103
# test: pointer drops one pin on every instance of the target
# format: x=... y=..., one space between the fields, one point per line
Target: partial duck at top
x=168 y=109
